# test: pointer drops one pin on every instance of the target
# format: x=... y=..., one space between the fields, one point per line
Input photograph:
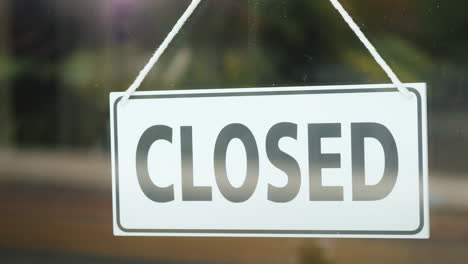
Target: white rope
x=180 y=23
x=154 y=59
x=349 y=20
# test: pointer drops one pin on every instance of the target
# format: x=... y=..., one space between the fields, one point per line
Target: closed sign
x=331 y=161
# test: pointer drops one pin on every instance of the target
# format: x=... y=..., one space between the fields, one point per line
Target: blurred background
x=60 y=59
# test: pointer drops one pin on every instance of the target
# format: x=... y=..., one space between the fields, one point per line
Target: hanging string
x=154 y=59
x=349 y=20
x=194 y=4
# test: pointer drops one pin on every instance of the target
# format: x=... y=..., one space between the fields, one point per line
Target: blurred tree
x=64 y=57
x=33 y=38
x=6 y=69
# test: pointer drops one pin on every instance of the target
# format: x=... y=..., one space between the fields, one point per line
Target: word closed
x=282 y=160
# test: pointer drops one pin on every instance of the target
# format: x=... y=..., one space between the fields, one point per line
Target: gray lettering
x=243 y=193
x=361 y=191
x=284 y=162
x=190 y=192
x=153 y=192
x=318 y=161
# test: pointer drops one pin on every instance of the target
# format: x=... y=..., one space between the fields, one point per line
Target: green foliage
x=101 y=47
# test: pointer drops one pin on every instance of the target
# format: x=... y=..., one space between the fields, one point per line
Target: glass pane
x=60 y=59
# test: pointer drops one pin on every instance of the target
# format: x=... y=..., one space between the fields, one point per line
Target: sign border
x=232 y=93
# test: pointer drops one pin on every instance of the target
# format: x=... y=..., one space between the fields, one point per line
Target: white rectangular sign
x=329 y=161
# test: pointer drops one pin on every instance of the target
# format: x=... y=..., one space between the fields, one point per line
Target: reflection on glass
x=60 y=59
